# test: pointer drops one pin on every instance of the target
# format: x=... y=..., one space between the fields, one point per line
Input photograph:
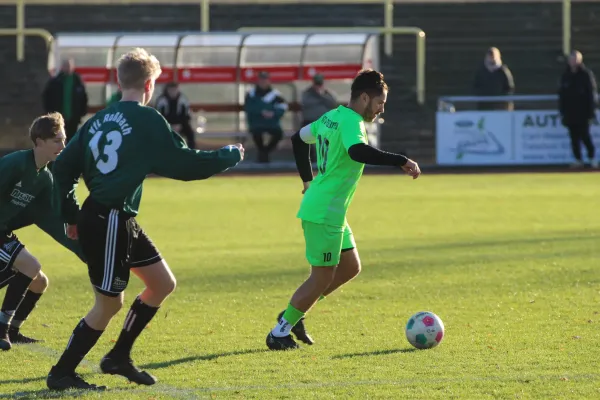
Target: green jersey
x=118 y=147
x=26 y=198
x=20 y=184
x=331 y=192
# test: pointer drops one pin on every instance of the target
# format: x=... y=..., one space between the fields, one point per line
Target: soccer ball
x=424 y=330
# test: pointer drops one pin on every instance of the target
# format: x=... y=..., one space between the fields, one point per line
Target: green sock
x=321 y=298
x=292 y=315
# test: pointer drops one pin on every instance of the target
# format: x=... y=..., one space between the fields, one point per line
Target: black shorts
x=10 y=247
x=112 y=243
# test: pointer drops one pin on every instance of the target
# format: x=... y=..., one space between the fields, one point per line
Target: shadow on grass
x=24 y=380
x=374 y=353
x=205 y=357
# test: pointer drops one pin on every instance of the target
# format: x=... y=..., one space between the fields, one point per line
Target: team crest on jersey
x=20 y=198
x=10 y=246
x=119 y=284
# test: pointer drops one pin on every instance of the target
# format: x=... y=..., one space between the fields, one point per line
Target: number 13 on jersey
x=107 y=160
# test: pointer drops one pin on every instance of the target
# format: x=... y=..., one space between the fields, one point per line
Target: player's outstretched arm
x=363 y=153
x=49 y=220
x=171 y=158
x=354 y=138
x=66 y=171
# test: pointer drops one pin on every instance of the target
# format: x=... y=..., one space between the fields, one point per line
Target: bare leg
x=309 y=292
x=348 y=268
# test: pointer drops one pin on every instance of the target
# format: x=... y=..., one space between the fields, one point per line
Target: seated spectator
x=317 y=100
x=264 y=108
x=175 y=107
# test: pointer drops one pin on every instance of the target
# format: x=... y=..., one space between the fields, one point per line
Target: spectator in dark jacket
x=175 y=107
x=577 y=104
x=493 y=78
x=65 y=93
x=317 y=100
x=264 y=108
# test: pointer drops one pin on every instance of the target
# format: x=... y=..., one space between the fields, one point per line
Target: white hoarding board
x=474 y=138
x=505 y=138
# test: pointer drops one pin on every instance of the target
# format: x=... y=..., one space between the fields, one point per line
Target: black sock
x=14 y=295
x=24 y=309
x=137 y=318
x=81 y=342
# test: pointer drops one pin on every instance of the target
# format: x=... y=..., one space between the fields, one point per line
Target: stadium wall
x=527 y=33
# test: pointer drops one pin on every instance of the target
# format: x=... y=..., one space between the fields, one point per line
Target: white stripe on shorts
x=109 y=249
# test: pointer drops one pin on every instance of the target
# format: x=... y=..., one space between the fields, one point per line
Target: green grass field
x=509 y=262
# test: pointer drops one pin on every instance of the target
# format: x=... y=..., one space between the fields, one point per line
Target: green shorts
x=325 y=243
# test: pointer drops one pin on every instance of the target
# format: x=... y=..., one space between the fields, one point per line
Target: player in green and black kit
x=342 y=152
x=114 y=151
x=26 y=192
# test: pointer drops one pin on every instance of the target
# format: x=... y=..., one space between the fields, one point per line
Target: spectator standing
x=65 y=93
x=577 y=104
x=493 y=78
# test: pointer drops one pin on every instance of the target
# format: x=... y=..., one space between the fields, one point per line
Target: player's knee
x=169 y=286
x=162 y=290
x=322 y=276
x=357 y=268
x=40 y=283
x=109 y=306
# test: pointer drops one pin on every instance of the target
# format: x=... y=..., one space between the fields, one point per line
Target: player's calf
x=160 y=283
x=37 y=287
x=23 y=268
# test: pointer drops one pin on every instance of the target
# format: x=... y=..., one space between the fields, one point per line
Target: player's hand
x=412 y=169
x=241 y=149
x=306 y=186
x=72 y=232
x=268 y=114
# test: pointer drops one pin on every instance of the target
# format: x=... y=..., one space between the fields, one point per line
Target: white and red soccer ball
x=424 y=330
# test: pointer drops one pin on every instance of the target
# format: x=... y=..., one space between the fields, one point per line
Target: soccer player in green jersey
x=26 y=191
x=342 y=151
x=114 y=151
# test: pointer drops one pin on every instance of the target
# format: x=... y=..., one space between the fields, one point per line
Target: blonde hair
x=46 y=127
x=135 y=67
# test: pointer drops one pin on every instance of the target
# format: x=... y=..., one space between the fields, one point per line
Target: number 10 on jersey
x=323 y=148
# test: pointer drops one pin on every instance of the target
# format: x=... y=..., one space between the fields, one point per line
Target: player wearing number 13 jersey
x=342 y=151
x=114 y=151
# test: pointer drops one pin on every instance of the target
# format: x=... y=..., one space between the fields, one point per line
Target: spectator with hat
x=264 y=107
x=317 y=100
